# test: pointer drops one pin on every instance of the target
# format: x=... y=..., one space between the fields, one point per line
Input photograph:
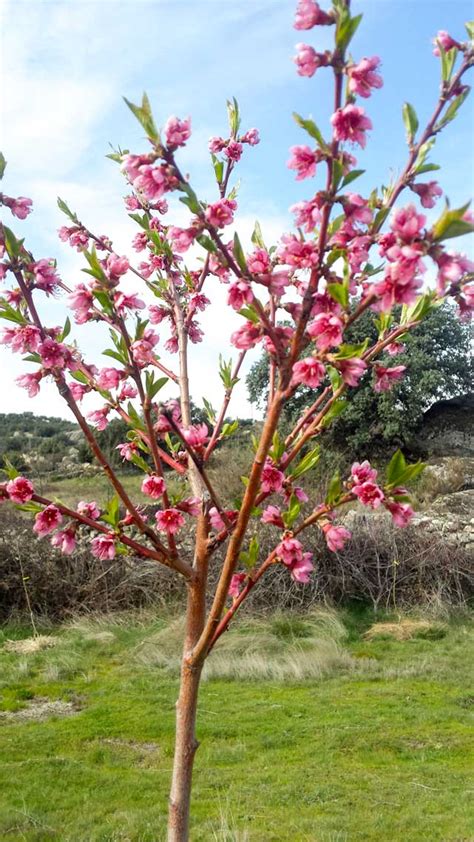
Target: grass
x=364 y=739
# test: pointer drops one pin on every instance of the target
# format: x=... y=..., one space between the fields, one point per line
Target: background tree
x=439 y=365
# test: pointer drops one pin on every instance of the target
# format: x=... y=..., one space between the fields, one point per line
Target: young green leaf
x=411 y=122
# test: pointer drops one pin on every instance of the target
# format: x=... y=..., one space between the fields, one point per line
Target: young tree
x=321 y=275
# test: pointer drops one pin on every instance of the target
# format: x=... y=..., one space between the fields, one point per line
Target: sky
x=67 y=63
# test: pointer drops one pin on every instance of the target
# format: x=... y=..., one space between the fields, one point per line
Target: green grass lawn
x=354 y=739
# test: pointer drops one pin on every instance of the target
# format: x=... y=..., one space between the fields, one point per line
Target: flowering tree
x=320 y=276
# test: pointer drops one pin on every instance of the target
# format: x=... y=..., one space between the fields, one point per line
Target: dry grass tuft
x=406 y=629
x=277 y=648
x=30 y=644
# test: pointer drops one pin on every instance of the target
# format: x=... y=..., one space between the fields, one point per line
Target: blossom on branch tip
x=385 y=377
x=402 y=513
x=177 y=131
x=251 y=137
x=108 y=378
x=153 y=486
x=350 y=124
x=336 y=536
x=303 y=160
x=233 y=150
x=246 y=337
x=20 y=490
x=363 y=76
x=308 y=14
x=221 y=213
x=65 y=540
x=351 y=370
x=326 y=330
x=103 y=547
x=271 y=479
x=20 y=207
x=169 y=521
x=90 y=510
x=369 y=494
x=272 y=515
x=307 y=214
x=444 y=40
x=307 y=60
x=239 y=293
x=236 y=583
x=30 y=382
x=428 y=193
x=99 y=417
x=363 y=472
x=47 y=520
x=308 y=371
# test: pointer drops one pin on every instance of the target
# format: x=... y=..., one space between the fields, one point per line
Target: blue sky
x=67 y=63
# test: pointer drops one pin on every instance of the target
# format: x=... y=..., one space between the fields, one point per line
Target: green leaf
x=257 y=237
x=307 y=463
x=96 y=269
x=80 y=377
x=312 y=129
x=218 y=168
x=229 y=428
x=346 y=352
x=334 y=490
x=10 y=469
x=419 y=309
x=411 y=122
x=351 y=176
x=209 y=410
x=8 y=312
x=451 y=224
x=3 y=164
x=12 y=245
x=140 y=463
x=380 y=218
x=112 y=512
x=145 y=117
x=470 y=28
x=69 y=213
x=65 y=331
x=238 y=253
x=292 y=513
x=340 y=293
x=336 y=409
x=448 y=60
x=399 y=473
x=104 y=300
x=233 y=114
x=31 y=507
x=206 y=243
x=346 y=29
x=427 y=168
x=278 y=447
x=250 y=314
x=423 y=151
x=334 y=377
x=453 y=109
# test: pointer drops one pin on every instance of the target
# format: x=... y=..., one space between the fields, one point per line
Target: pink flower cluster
x=350 y=124
x=309 y=14
x=290 y=552
x=20 y=207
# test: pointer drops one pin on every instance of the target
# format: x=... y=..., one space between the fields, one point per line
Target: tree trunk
x=185 y=749
x=186 y=707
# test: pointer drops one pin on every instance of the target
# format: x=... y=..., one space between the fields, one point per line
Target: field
x=310 y=731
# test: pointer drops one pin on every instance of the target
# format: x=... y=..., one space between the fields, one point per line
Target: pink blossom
x=81 y=301
x=402 y=513
x=466 y=302
x=65 y=540
x=303 y=160
x=394 y=289
x=116 y=266
x=177 y=132
x=153 y=182
x=352 y=370
x=363 y=76
x=142 y=349
x=109 y=378
x=132 y=203
x=20 y=490
x=216 y=144
x=452 y=267
x=336 y=536
x=90 y=510
x=444 y=40
x=127 y=391
x=246 y=337
x=308 y=60
x=301 y=569
x=53 y=354
x=239 y=293
x=181 y=238
x=324 y=303
x=20 y=207
x=221 y=213
x=259 y=262
x=75 y=236
x=103 y=547
x=23 y=339
x=326 y=330
x=428 y=193
x=407 y=224
x=363 y=472
x=44 y=271
x=157 y=314
x=369 y=494
x=131 y=165
x=127 y=450
x=272 y=515
x=350 y=123
x=196 y=436
x=47 y=520
x=290 y=550
x=295 y=252
x=78 y=391
x=233 y=150
x=236 y=583
x=153 y=486
x=385 y=378
x=191 y=505
x=357 y=209
x=251 y=137
x=358 y=252
x=30 y=382
x=216 y=520
x=307 y=214
x=198 y=301
x=308 y=371
x=308 y=14
x=272 y=479
x=99 y=417
x=169 y=520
